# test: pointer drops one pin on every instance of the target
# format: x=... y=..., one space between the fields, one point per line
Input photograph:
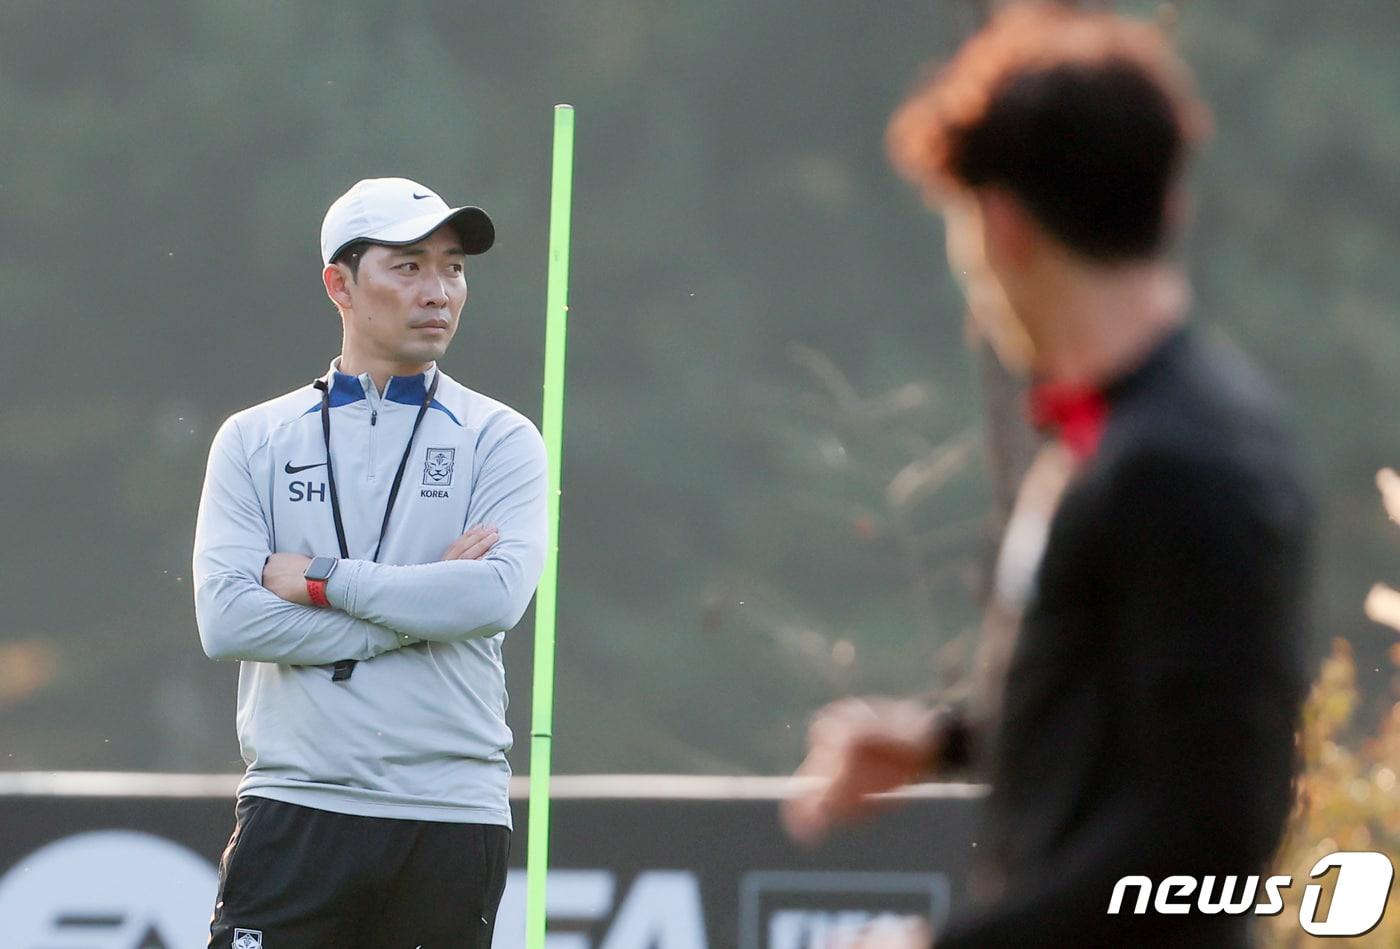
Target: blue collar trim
x=409 y=390
x=345 y=389
x=406 y=390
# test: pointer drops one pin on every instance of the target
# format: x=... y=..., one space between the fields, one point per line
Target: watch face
x=320 y=568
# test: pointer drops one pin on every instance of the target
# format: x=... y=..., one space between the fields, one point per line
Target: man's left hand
x=285 y=575
x=857 y=749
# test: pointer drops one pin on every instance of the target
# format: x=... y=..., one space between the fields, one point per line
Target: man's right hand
x=857 y=748
x=472 y=545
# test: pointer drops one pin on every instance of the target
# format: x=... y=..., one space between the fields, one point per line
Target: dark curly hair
x=1086 y=117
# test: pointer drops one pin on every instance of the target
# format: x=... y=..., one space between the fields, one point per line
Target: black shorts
x=299 y=878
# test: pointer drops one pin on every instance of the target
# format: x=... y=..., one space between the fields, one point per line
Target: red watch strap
x=316 y=589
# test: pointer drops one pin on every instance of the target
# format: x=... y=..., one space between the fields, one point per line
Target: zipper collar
x=407 y=390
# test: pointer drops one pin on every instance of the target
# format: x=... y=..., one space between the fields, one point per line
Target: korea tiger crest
x=437 y=467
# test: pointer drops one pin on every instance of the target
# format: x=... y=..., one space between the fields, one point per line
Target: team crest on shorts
x=437 y=467
x=247 y=939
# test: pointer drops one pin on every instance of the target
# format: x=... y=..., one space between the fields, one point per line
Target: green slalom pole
x=556 y=321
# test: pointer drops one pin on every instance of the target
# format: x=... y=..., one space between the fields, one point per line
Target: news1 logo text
x=1358 y=896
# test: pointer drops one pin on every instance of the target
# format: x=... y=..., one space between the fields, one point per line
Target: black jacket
x=1153 y=692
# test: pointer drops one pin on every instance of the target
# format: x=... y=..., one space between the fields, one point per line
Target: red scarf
x=1076 y=413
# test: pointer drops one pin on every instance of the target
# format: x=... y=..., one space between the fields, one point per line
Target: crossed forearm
x=284 y=576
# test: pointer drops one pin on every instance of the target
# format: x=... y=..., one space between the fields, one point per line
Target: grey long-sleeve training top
x=418 y=732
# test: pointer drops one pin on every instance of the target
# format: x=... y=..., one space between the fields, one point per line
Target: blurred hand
x=284 y=574
x=472 y=545
x=856 y=748
x=901 y=932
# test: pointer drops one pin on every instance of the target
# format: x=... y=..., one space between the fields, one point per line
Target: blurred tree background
x=775 y=488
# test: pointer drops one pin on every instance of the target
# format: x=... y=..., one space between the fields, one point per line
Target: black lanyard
x=345 y=667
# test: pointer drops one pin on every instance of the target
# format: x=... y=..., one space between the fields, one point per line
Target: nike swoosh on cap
x=293 y=469
x=420 y=197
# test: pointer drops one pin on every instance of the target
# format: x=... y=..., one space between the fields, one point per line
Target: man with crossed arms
x=363 y=542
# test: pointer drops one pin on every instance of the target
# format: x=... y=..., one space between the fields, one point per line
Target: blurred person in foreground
x=1142 y=665
x=364 y=581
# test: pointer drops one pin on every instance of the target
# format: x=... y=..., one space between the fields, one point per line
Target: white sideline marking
x=673 y=787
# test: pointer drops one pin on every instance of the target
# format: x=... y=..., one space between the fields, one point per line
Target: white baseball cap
x=398 y=211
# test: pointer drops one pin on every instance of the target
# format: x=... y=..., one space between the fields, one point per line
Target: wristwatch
x=317 y=573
